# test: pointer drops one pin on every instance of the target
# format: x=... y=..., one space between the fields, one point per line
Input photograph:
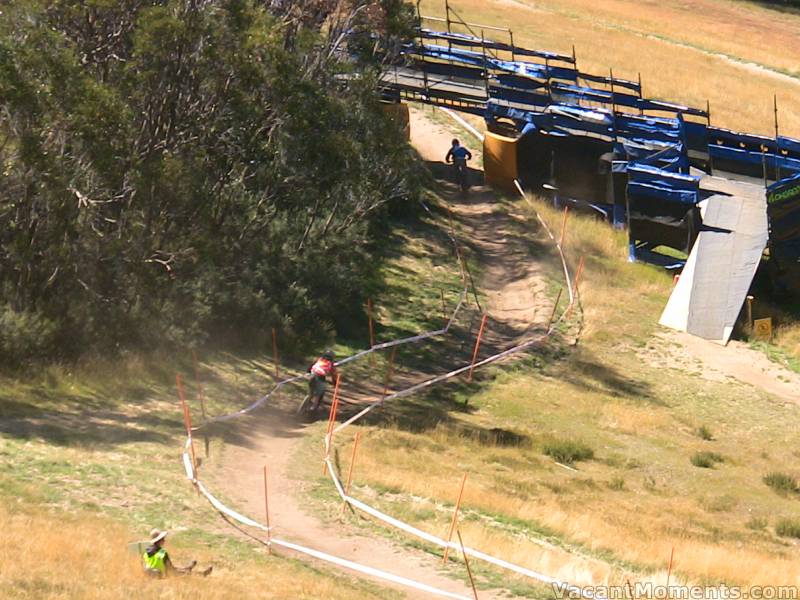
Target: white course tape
x=191 y=475
x=461 y=121
x=348 y=564
x=354 y=566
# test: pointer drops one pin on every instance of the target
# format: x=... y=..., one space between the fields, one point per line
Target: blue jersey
x=460 y=153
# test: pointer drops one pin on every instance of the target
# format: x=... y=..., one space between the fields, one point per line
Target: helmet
x=328 y=354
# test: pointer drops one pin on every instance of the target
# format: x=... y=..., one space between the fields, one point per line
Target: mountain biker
x=459 y=156
x=320 y=370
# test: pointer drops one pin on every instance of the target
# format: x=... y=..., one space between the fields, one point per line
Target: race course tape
x=354 y=502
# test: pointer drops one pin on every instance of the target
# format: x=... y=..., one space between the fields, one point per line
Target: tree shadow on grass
x=586 y=372
x=106 y=430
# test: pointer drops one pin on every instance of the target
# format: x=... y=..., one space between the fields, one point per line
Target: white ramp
x=714 y=283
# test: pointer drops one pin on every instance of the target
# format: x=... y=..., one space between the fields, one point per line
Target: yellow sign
x=762 y=328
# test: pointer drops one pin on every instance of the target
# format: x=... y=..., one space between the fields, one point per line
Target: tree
x=176 y=170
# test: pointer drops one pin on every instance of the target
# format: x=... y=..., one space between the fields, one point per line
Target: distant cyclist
x=320 y=370
x=459 y=155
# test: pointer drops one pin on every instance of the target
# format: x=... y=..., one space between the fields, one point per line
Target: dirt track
x=516 y=304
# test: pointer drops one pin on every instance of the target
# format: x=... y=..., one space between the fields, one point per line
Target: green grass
x=639 y=417
x=705 y=459
x=704 y=433
x=788 y=528
x=568 y=452
x=782 y=482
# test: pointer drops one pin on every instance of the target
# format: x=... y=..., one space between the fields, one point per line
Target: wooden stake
x=669 y=568
x=575 y=285
x=455 y=518
x=331 y=420
x=444 y=308
x=563 y=226
x=466 y=562
x=371 y=330
x=187 y=419
x=275 y=354
x=200 y=396
x=389 y=371
x=352 y=462
x=555 y=308
x=630 y=588
x=578 y=274
x=334 y=403
x=266 y=511
x=477 y=346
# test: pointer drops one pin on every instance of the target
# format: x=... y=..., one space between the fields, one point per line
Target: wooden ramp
x=714 y=283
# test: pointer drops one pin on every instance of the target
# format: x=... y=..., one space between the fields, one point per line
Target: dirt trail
x=716 y=363
x=516 y=302
x=511 y=277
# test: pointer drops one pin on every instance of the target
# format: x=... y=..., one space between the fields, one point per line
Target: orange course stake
x=477 y=346
x=563 y=226
x=579 y=273
x=575 y=284
x=466 y=562
x=371 y=330
x=266 y=511
x=555 y=308
x=352 y=462
x=455 y=518
x=199 y=387
x=331 y=421
x=389 y=372
x=371 y=325
x=275 y=354
x=669 y=569
x=187 y=419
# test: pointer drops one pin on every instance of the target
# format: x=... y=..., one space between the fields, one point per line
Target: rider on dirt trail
x=459 y=156
x=320 y=370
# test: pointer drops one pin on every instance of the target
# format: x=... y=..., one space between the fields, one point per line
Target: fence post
x=466 y=562
x=389 y=372
x=555 y=308
x=275 y=354
x=200 y=396
x=563 y=226
x=455 y=518
x=187 y=420
x=477 y=346
x=371 y=330
x=352 y=462
x=669 y=568
x=266 y=511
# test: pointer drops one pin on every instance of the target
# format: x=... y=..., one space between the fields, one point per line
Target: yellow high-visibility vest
x=157 y=561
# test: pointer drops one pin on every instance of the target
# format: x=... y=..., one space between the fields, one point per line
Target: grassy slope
x=91 y=461
x=97 y=449
x=669 y=43
x=640 y=495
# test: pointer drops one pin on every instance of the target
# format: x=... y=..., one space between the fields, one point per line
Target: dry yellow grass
x=44 y=556
x=665 y=42
x=787 y=338
x=621 y=514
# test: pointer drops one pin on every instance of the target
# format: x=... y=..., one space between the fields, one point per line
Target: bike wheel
x=303 y=408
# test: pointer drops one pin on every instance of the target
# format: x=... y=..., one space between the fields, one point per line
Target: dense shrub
x=705 y=460
x=568 y=451
x=782 y=482
x=788 y=528
x=178 y=170
x=704 y=433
